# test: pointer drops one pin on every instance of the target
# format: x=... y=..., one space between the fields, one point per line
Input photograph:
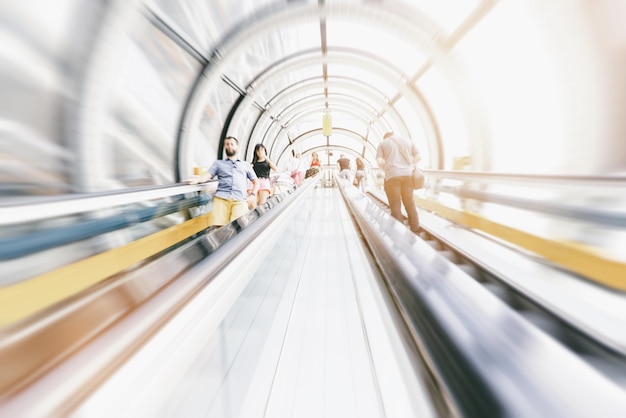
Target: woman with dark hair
x=262 y=167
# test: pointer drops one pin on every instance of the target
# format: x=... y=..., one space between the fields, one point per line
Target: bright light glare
x=526 y=85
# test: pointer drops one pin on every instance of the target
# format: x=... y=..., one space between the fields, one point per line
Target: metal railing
x=486 y=360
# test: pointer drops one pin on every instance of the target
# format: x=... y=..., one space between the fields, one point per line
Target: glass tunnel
x=118 y=296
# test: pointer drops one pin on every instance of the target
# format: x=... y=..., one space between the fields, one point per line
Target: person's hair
x=255 y=157
x=314 y=155
x=387 y=135
x=233 y=138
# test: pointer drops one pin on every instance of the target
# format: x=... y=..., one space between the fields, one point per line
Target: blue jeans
x=399 y=190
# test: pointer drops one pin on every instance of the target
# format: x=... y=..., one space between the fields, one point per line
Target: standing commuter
x=390 y=156
x=231 y=199
x=344 y=167
x=297 y=169
x=314 y=167
x=315 y=161
x=360 y=176
x=262 y=167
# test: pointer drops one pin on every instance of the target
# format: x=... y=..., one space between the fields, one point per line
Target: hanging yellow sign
x=327 y=124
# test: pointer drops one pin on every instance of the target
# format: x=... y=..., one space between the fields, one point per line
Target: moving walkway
x=304 y=307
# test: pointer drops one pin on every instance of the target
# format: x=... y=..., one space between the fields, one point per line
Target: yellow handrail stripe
x=23 y=299
x=579 y=258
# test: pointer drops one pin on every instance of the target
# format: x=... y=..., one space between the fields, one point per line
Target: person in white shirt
x=297 y=168
x=392 y=155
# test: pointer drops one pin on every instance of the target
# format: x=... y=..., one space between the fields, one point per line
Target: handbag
x=418 y=178
x=418 y=174
x=311 y=172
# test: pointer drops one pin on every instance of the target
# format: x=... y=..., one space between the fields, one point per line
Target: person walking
x=315 y=161
x=297 y=169
x=344 y=168
x=392 y=156
x=315 y=166
x=262 y=166
x=231 y=199
x=360 y=176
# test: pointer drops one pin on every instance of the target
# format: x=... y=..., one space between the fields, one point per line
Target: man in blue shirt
x=231 y=199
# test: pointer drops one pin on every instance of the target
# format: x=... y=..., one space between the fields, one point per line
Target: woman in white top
x=297 y=168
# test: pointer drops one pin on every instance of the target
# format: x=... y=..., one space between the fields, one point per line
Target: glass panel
x=153 y=85
x=42 y=50
x=419 y=130
x=204 y=140
x=450 y=117
x=266 y=51
x=448 y=14
x=379 y=41
x=203 y=23
x=522 y=91
x=381 y=83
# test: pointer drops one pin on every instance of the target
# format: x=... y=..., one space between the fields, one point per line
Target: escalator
x=306 y=308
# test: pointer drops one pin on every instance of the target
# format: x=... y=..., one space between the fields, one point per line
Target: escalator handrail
x=576 y=181
x=219 y=247
x=488 y=359
x=45 y=239
x=23 y=210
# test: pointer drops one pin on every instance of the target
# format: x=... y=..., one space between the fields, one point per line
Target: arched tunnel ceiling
x=107 y=95
x=292 y=64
